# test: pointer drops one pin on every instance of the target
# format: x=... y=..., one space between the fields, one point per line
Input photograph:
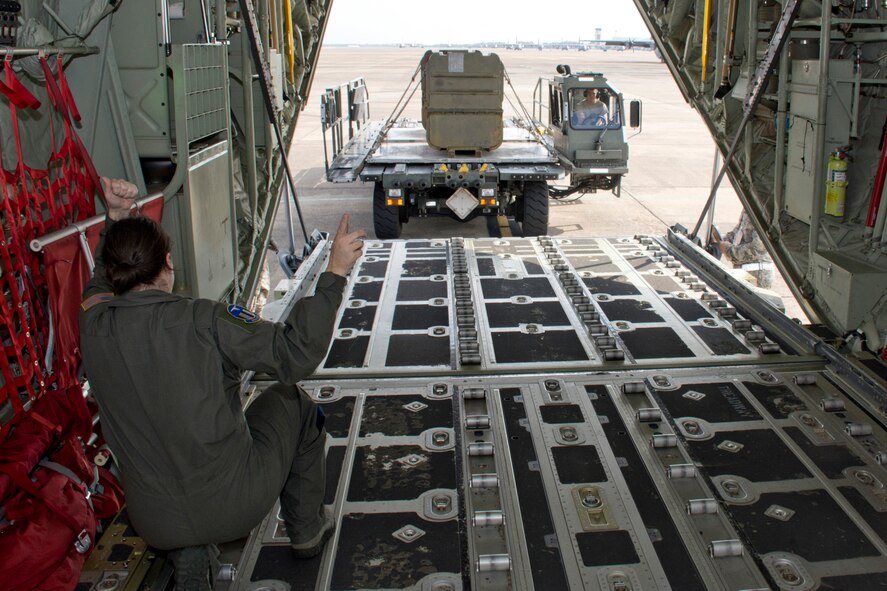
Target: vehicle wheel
x=386 y=220
x=535 y=208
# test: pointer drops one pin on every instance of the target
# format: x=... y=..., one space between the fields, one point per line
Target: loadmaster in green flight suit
x=165 y=371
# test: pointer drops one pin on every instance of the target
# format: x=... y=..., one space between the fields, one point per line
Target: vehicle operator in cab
x=165 y=371
x=590 y=112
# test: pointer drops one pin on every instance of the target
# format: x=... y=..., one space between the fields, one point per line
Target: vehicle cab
x=586 y=120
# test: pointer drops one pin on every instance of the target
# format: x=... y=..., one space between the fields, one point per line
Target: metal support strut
x=762 y=77
x=249 y=19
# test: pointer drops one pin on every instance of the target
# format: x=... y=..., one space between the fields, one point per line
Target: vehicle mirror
x=634 y=118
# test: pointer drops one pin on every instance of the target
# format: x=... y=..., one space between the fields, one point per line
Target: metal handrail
x=38 y=244
x=48 y=50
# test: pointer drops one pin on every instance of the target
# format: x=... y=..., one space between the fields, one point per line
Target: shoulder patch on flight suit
x=240 y=316
x=96 y=299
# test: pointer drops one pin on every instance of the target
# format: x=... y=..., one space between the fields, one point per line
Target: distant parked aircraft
x=621 y=44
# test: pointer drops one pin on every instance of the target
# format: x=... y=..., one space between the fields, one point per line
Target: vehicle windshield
x=594 y=108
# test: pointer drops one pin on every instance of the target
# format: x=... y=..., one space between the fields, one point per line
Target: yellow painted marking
x=504 y=226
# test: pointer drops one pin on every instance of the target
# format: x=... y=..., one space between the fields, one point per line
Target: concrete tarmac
x=671 y=160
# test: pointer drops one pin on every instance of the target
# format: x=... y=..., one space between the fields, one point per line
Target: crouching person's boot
x=192 y=566
x=309 y=544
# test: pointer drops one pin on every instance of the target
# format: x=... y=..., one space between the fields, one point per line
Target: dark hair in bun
x=134 y=252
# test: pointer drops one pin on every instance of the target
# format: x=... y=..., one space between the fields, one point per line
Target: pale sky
x=471 y=21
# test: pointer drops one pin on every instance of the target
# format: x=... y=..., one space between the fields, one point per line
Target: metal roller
x=465 y=320
x=595 y=328
x=661 y=440
x=488 y=518
x=702 y=507
x=589 y=316
x=614 y=355
x=727 y=312
x=804 y=379
x=469 y=359
x=493 y=563
x=755 y=336
x=832 y=405
x=605 y=341
x=584 y=307
x=477 y=422
x=709 y=297
x=681 y=471
x=649 y=415
x=469 y=347
x=484 y=481
x=581 y=299
x=725 y=548
x=742 y=325
x=481 y=448
x=768 y=348
x=633 y=388
x=473 y=393
x=715 y=303
x=468 y=334
x=858 y=429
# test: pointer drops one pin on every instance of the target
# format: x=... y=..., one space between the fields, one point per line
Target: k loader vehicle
x=464 y=159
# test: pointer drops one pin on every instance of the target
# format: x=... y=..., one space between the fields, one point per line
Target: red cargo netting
x=33 y=202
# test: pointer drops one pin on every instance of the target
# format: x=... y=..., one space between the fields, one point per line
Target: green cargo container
x=462 y=95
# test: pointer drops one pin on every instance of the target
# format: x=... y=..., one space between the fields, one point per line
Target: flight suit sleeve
x=288 y=350
x=99 y=283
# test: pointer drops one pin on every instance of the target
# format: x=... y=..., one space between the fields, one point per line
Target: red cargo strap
x=66 y=92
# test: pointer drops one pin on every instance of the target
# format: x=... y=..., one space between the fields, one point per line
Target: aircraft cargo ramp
x=582 y=414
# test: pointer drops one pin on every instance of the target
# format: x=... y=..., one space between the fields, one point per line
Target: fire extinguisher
x=836 y=184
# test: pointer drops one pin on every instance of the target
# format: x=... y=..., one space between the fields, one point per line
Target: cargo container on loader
x=463 y=159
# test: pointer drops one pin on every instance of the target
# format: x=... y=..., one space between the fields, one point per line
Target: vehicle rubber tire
x=534 y=220
x=386 y=220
